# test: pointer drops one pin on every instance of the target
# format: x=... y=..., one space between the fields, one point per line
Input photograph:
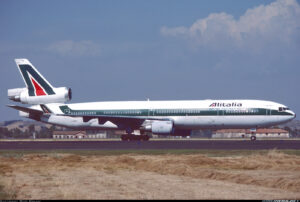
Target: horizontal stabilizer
x=27 y=110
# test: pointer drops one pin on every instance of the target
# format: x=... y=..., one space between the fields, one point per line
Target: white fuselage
x=155 y=116
x=190 y=115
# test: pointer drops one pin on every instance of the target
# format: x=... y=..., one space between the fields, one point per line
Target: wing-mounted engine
x=164 y=127
x=60 y=95
x=158 y=127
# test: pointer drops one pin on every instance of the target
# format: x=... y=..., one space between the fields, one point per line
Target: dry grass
x=274 y=175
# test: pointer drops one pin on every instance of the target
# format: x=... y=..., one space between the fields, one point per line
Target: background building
x=246 y=133
x=78 y=135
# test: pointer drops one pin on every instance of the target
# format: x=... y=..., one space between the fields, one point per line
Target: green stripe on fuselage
x=173 y=112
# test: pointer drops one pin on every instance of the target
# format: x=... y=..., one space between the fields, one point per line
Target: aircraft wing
x=118 y=120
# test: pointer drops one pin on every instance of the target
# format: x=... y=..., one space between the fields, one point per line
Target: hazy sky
x=158 y=49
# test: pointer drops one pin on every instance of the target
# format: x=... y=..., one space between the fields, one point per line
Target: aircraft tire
x=253 y=138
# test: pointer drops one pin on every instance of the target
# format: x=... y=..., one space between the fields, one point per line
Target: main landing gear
x=131 y=137
x=253 y=135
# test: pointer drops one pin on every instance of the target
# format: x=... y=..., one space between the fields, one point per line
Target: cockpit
x=282 y=109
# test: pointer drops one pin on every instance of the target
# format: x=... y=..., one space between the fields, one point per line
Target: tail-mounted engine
x=60 y=95
x=38 y=90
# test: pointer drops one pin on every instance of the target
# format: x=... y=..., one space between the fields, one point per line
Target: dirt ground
x=135 y=176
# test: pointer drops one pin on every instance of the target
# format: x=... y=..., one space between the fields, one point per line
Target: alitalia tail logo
x=36 y=85
x=38 y=89
x=223 y=104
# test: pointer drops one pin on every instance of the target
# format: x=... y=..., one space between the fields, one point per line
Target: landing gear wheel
x=253 y=138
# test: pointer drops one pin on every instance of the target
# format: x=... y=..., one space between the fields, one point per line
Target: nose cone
x=293 y=115
x=290 y=117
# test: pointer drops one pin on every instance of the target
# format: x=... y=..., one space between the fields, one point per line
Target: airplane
x=174 y=118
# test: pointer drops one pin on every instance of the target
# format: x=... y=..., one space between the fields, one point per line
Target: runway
x=152 y=145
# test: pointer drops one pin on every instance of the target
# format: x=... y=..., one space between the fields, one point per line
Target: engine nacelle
x=162 y=127
x=15 y=94
x=62 y=94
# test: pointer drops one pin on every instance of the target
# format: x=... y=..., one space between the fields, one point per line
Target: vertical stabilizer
x=36 y=84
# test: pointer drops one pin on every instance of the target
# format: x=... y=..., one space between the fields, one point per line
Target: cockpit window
x=281 y=109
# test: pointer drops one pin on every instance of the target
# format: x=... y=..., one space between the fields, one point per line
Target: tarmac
x=152 y=145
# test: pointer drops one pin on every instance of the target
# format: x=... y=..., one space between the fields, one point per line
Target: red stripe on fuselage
x=38 y=89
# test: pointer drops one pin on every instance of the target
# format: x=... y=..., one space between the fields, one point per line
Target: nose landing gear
x=253 y=134
x=253 y=138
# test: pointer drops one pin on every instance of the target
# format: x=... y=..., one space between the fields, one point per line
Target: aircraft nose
x=294 y=114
